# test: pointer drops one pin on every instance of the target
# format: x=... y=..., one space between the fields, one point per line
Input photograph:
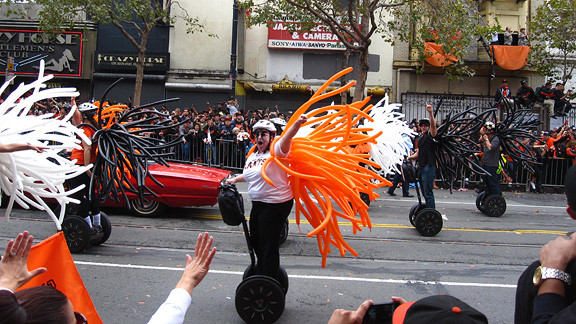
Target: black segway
x=492 y=205
x=77 y=231
x=427 y=221
x=259 y=298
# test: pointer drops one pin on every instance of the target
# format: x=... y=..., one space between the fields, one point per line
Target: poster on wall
x=62 y=54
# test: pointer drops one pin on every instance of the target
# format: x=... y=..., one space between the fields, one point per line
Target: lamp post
x=234 y=50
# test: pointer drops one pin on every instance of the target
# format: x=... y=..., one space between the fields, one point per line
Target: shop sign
x=106 y=61
x=286 y=34
x=62 y=54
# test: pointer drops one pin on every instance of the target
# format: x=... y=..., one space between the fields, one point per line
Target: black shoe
x=408 y=195
x=96 y=231
x=392 y=194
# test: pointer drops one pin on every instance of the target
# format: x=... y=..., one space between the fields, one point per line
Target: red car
x=184 y=185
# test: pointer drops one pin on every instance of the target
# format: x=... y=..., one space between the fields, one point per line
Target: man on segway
x=490 y=144
x=491 y=201
x=425 y=153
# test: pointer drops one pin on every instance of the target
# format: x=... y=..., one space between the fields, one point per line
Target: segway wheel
x=77 y=233
x=480 y=202
x=414 y=211
x=495 y=205
x=365 y=198
x=428 y=222
x=282 y=276
x=106 y=228
x=249 y=272
x=283 y=279
x=284 y=232
x=260 y=299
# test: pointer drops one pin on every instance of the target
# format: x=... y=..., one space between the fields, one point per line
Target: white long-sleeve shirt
x=173 y=310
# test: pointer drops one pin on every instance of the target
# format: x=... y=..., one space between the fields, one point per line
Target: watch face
x=537 y=276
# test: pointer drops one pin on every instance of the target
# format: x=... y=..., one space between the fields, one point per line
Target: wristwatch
x=543 y=273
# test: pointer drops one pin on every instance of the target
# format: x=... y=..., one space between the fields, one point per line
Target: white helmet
x=264 y=124
x=87 y=108
x=490 y=126
x=279 y=123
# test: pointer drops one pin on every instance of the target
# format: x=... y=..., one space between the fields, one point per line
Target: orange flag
x=53 y=254
x=510 y=57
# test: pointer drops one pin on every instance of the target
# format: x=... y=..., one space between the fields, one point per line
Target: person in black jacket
x=561 y=105
x=546 y=293
x=525 y=95
x=544 y=95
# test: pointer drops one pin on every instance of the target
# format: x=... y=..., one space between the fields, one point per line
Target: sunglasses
x=80 y=318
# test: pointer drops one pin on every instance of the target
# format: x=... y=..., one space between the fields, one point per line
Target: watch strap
x=551 y=273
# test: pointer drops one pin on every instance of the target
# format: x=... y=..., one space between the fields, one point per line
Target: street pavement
x=475 y=257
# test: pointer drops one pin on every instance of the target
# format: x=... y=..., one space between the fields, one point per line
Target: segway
x=427 y=221
x=492 y=205
x=77 y=231
x=259 y=298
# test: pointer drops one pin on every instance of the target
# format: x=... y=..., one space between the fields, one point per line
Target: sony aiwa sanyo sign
x=62 y=54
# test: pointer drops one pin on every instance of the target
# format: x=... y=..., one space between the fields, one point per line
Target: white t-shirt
x=258 y=188
x=232 y=109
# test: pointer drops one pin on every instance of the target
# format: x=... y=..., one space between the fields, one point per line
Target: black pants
x=265 y=226
x=491 y=181
x=86 y=206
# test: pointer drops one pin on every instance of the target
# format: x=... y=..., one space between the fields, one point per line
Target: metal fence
x=414 y=107
x=224 y=154
x=231 y=155
x=414 y=104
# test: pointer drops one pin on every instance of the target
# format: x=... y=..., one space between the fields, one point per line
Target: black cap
x=424 y=121
x=504 y=81
x=523 y=82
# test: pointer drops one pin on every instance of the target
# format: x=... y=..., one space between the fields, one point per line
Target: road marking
x=441 y=201
x=309 y=277
x=516 y=231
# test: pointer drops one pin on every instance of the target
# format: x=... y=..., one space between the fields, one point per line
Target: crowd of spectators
x=554 y=99
x=218 y=135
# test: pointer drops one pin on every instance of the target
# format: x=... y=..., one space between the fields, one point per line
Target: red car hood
x=189 y=171
x=183 y=185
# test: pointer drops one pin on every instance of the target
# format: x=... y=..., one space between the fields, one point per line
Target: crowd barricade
x=552 y=175
x=231 y=155
x=225 y=154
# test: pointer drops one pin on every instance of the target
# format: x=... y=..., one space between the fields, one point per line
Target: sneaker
x=391 y=194
x=533 y=185
x=408 y=195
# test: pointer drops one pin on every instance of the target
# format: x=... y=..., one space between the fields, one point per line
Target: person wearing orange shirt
x=84 y=156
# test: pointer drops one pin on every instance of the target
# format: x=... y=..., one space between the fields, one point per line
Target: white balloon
x=29 y=177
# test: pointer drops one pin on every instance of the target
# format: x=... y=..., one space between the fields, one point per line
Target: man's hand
x=342 y=316
x=559 y=252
